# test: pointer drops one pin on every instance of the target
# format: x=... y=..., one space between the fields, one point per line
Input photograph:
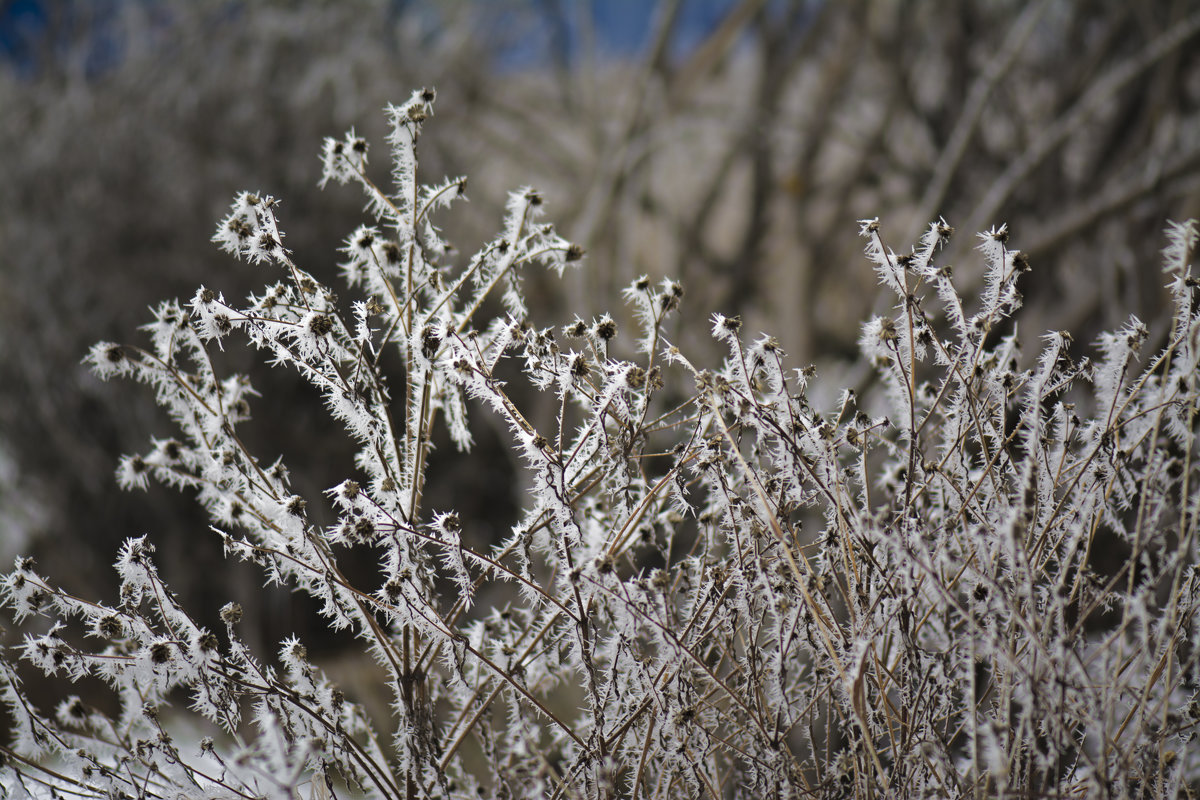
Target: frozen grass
x=716 y=589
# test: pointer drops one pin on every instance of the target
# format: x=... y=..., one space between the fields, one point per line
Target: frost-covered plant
x=713 y=592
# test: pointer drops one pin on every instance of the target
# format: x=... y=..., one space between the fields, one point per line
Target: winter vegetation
x=735 y=163
x=973 y=576
x=878 y=453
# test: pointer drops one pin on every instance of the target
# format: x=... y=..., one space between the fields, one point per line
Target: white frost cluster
x=715 y=588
